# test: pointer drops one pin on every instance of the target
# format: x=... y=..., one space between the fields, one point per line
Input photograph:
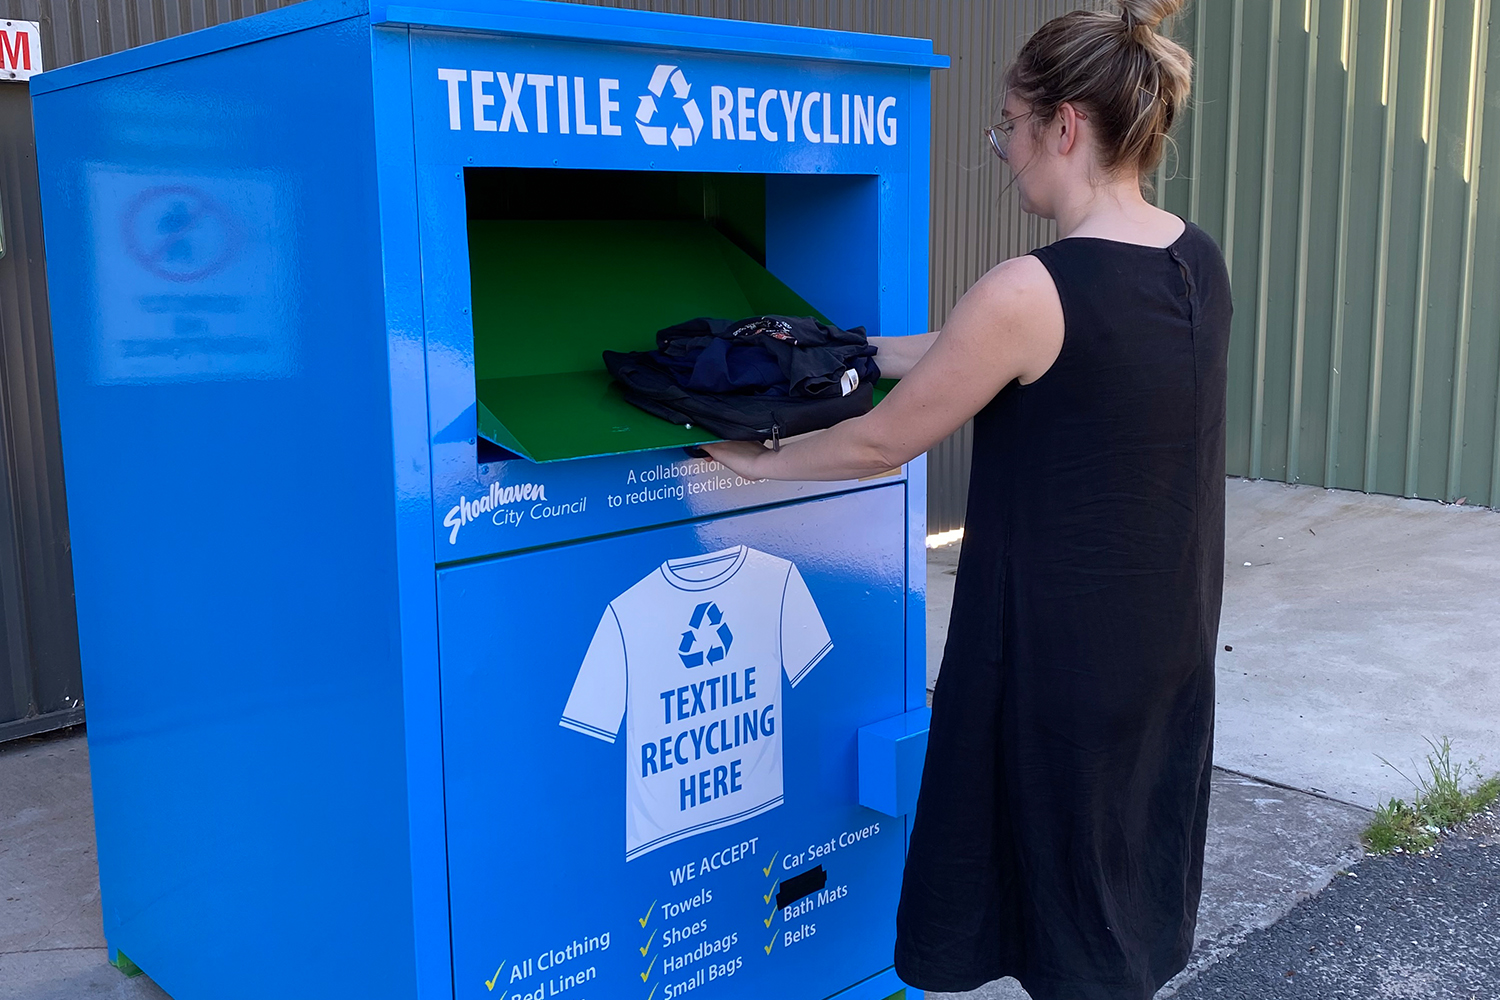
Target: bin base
x=118 y=959
x=884 y=986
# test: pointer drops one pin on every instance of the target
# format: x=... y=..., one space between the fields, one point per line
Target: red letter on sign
x=15 y=53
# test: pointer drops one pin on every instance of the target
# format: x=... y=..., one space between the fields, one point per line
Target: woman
x=1059 y=834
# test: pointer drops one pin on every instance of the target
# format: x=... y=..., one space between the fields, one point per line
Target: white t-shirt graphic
x=691 y=657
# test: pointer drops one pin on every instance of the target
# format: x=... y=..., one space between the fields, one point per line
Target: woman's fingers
x=740 y=457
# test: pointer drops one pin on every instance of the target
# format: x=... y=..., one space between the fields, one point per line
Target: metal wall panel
x=1344 y=179
x=40 y=683
x=74 y=30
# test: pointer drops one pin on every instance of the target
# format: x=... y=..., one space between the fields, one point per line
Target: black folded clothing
x=766 y=377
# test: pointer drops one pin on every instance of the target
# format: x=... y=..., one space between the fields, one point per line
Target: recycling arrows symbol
x=681 y=134
x=718 y=629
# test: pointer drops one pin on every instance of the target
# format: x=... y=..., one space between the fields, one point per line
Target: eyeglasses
x=1000 y=135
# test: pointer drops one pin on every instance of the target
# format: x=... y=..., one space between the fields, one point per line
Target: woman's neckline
x=1186 y=228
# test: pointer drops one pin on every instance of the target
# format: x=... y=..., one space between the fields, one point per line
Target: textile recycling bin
x=418 y=663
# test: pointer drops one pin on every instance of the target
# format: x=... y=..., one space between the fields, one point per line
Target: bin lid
x=539 y=18
x=536 y=18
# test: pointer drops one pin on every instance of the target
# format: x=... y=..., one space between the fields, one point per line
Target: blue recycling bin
x=418 y=663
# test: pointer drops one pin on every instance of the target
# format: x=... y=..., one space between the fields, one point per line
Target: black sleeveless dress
x=1059 y=833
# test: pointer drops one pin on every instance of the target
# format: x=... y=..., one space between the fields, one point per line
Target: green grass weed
x=1447 y=793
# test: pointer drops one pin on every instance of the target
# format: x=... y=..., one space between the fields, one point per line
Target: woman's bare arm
x=897 y=356
x=1008 y=326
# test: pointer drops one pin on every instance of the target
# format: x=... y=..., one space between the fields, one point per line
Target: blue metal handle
x=891 y=754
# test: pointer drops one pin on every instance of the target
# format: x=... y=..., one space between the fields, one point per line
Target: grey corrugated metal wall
x=40 y=684
x=1340 y=165
x=75 y=30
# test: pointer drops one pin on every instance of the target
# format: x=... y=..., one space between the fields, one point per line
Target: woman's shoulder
x=1012 y=316
x=1015 y=281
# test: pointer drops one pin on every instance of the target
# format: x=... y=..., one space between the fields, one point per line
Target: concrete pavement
x=51 y=930
x=1362 y=625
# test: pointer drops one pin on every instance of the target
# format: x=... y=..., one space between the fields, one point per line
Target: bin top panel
x=229 y=35
x=535 y=18
x=681 y=31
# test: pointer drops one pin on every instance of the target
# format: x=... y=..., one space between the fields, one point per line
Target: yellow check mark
x=653 y=992
x=771 y=918
x=647 y=974
x=489 y=984
x=648 y=944
x=772 y=944
x=770 y=895
x=647 y=918
x=767 y=869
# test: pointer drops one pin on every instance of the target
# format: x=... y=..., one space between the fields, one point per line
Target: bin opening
x=565 y=264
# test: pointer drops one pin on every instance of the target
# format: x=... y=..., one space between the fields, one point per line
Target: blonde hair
x=1116 y=67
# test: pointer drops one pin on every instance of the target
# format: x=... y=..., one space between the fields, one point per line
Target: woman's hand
x=743 y=458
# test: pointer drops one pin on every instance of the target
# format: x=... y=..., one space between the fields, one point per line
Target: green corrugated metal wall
x=1336 y=152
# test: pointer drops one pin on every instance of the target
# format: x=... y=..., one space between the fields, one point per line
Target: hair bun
x=1147 y=14
x=1113 y=62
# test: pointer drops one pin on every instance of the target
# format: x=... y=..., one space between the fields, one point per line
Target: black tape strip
x=800 y=885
